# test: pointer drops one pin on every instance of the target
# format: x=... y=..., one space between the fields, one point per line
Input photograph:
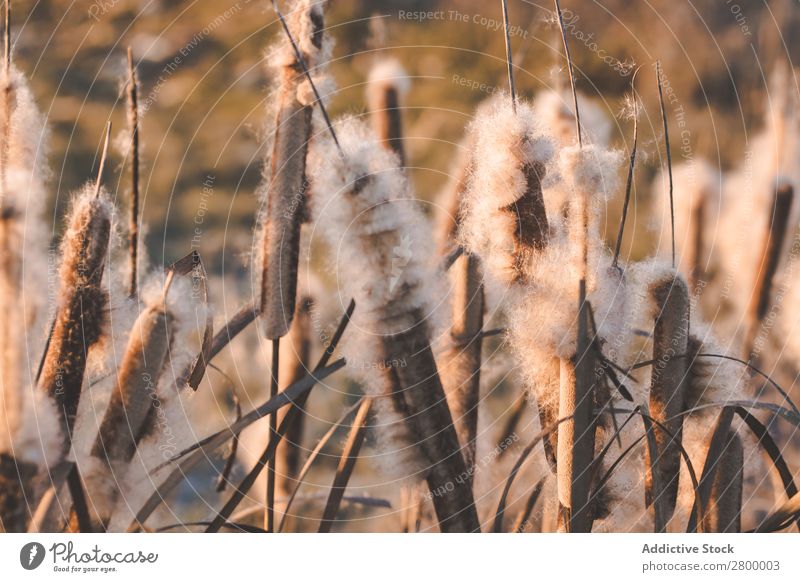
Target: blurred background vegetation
x=204 y=86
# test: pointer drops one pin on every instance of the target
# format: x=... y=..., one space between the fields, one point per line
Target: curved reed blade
x=312 y=457
x=347 y=463
x=714 y=460
x=524 y=516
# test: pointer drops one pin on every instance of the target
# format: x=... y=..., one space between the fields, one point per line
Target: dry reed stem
x=668 y=387
x=449 y=217
x=417 y=395
x=346 y=464
x=274 y=439
x=724 y=510
x=81 y=310
x=295 y=363
x=286 y=201
x=133 y=219
x=133 y=400
x=769 y=260
x=460 y=367
x=16 y=493
x=576 y=437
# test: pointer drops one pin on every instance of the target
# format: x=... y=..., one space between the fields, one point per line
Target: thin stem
x=509 y=57
x=306 y=72
x=269 y=523
x=571 y=72
x=669 y=156
x=133 y=123
x=103 y=158
x=631 y=166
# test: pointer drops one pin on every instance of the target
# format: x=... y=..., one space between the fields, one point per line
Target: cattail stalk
x=461 y=365
x=295 y=360
x=133 y=219
x=417 y=394
x=668 y=387
x=288 y=185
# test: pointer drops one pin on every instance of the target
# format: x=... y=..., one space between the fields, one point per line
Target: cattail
x=504 y=213
x=724 y=511
x=295 y=358
x=461 y=364
x=774 y=239
x=368 y=212
x=668 y=391
x=129 y=415
x=23 y=147
x=388 y=83
x=287 y=184
x=81 y=309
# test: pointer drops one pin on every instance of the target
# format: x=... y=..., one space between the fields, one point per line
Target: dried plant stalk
x=133 y=128
x=576 y=437
x=346 y=464
x=81 y=310
x=724 y=509
x=460 y=367
x=295 y=363
x=418 y=397
x=16 y=493
x=768 y=261
x=133 y=400
x=288 y=185
x=668 y=387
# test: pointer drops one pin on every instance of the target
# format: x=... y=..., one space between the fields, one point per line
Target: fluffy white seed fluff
x=380 y=243
x=387 y=74
x=504 y=144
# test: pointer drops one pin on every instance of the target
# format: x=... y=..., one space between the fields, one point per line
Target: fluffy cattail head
x=81 y=310
x=369 y=216
x=504 y=217
x=388 y=84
